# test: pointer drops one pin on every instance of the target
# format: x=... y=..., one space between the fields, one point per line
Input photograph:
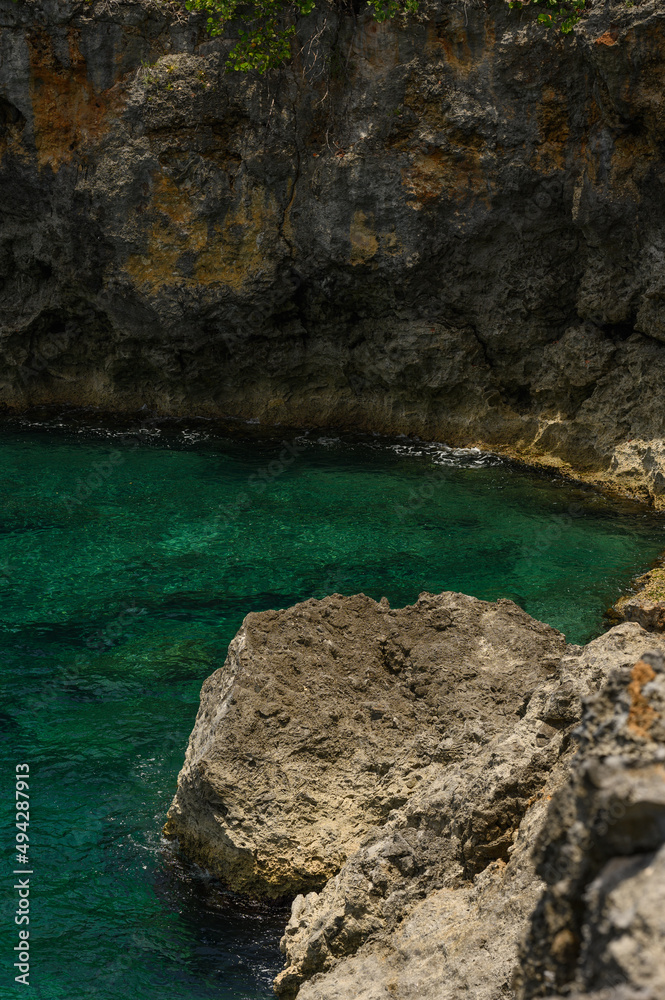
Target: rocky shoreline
x=452 y=230
x=462 y=804
x=646 y=603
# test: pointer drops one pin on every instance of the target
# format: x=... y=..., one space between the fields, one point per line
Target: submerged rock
x=465 y=805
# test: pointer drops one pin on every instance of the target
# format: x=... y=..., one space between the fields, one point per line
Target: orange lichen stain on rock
x=540 y=797
x=67 y=113
x=554 y=129
x=390 y=245
x=460 y=55
x=632 y=159
x=183 y=249
x=175 y=231
x=608 y=38
x=366 y=242
x=641 y=715
x=454 y=41
x=233 y=255
x=455 y=173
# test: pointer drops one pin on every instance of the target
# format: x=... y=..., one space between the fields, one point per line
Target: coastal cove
x=332 y=499
x=128 y=560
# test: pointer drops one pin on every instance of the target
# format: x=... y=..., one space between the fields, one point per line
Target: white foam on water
x=443 y=454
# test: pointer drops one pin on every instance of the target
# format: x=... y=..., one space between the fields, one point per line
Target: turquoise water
x=127 y=565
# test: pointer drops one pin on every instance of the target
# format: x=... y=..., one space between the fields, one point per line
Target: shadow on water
x=219 y=920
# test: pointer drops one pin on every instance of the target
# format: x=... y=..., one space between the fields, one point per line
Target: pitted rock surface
x=599 y=925
x=330 y=715
x=452 y=926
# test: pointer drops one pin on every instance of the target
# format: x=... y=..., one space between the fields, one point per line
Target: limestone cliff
x=453 y=229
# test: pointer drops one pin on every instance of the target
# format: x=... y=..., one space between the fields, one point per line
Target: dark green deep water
x=117 y=604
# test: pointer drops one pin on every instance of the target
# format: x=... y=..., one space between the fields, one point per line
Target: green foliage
x=561 y=14
x=147 y=73
x=265 y=42
x=386 y=9
x=269 y=25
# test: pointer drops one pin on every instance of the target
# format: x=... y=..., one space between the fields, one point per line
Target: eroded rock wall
x=453 y=229
x=599 y=924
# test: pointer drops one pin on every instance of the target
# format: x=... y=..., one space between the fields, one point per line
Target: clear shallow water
x=120 y=593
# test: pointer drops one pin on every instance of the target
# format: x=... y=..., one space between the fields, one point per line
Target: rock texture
x=646 y=605
x=328 y=716
x=486 y=803
x=452 y=229
x=600 y=922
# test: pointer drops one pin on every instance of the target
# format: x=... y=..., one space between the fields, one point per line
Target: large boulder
x=330 y=715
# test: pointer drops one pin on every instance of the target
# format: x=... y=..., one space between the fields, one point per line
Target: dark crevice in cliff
x=483 y=346
x=10 y=116
x=520 y=399
x=618 y=332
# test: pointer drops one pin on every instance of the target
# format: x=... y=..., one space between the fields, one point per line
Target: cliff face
x=453 y=229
